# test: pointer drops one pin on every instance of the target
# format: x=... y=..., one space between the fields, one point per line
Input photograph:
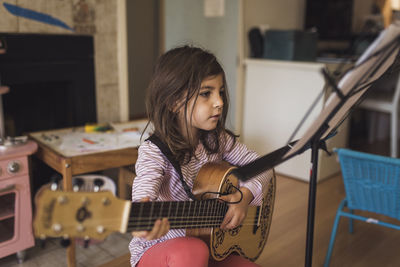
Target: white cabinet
x=277 y=95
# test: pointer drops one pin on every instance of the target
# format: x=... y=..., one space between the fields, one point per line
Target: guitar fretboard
x=180 y=214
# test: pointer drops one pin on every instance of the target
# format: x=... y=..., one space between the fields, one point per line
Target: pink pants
x=187 y=251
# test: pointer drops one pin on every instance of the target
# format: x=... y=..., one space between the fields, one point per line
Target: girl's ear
x=176 y=108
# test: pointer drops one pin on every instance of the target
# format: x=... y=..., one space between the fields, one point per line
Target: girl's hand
x=236 y=212
x=160 y=228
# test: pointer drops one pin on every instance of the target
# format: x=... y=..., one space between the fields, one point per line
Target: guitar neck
x=180 y=214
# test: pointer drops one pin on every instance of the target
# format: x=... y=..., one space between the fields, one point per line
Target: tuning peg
x=77 y=183
x=65 y=242
x=55 y=178
x=98 y=183
x=86 y=242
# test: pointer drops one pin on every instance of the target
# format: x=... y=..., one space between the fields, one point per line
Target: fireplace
x=51 y=80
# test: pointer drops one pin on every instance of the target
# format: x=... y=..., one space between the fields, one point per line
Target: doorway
x=144 y=45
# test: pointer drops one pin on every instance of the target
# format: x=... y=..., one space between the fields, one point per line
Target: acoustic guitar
x=96 y=215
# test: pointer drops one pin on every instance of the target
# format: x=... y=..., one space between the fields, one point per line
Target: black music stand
x=375 y=61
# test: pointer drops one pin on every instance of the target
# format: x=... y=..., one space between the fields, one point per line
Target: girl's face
x=207 y=109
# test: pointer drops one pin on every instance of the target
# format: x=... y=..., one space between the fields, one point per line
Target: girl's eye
x=221 y=93
x=205 y=93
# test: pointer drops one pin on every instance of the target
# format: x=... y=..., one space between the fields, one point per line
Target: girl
x=187 y=104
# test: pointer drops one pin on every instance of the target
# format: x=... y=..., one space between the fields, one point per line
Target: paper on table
x=79 y=142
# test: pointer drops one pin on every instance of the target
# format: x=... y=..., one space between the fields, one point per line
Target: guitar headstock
x=79 y=214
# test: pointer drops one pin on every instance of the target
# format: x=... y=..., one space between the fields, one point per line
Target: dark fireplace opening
x=52 y=85
x=47 y=103
x=51 y=81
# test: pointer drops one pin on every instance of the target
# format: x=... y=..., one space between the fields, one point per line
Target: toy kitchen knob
x=13 y=167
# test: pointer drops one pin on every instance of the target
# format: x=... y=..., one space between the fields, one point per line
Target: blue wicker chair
x=372 y=183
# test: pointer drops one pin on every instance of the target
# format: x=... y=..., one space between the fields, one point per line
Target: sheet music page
x=366 y=70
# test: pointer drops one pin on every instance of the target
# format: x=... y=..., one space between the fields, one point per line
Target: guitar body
x=247 y=240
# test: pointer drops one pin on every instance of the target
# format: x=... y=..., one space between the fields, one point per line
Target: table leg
x=71 y=254
x=67 y=186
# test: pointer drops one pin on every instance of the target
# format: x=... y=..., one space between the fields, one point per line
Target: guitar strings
x=147 y=227
x=186 y=220
x=187 y=224
x=175 y=223
x=190 y=224
x=210 y=213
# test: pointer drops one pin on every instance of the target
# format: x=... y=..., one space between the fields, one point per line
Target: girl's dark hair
x=177 y=76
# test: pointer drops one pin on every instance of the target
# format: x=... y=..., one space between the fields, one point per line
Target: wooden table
x=70 y=164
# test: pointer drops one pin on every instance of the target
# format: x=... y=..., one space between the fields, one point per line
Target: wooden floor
x=369 y=245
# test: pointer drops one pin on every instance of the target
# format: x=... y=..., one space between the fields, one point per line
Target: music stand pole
x=312 y=191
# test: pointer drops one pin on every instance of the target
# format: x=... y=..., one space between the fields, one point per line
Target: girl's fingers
x=235 y=222
x=160 y=228
x=227 y=219
x=145 y=199
x=140 y=234
x=231 y=224
x=229 y=216
x=224 y=198
x=154 y=232
x=164 y=226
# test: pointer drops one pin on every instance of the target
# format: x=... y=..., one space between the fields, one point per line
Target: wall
x=185 y=23
x=91 y=17
x=361 y=8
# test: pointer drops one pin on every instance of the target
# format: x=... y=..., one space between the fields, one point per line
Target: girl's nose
x=218 y=103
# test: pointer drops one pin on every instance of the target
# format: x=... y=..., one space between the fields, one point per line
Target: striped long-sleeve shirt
x=156 y=178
